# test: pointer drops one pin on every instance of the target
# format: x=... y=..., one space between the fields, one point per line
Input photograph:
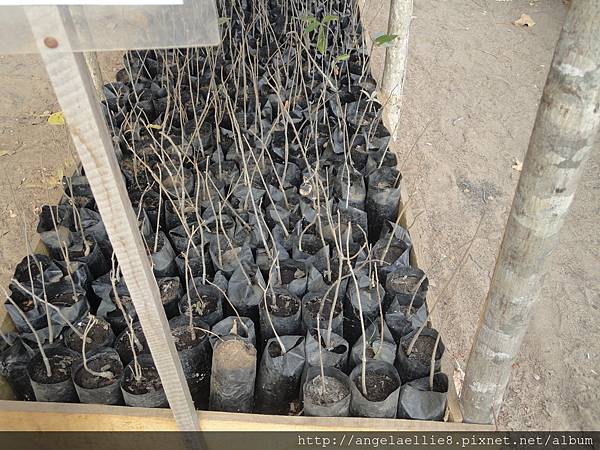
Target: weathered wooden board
x=28 y=416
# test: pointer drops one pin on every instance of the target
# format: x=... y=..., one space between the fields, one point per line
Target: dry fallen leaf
x=57 y=118
x=517 y=165
x=6 y=153
x=524 y=21
x=55 y=179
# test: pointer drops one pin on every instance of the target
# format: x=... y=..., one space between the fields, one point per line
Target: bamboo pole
x=394 y=68
x=567 y=122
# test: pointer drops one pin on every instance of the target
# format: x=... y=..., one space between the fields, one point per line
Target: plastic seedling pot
x=369 y=301
x=402 y=322
x=383 y=198
x=195 y=267
x=163 y=259
x=418 y=363
x=58 y=387
x=95 y=389
x=13 y=366
x=207 y=302
x=332 y=353
x=378 y=348
x=170 y=292
x=279 y=373
x=403 y=283
x=311 y=304
x=232 y=327
x=383 y=388
x=99 y=335
x=232 y=377
x=147 y=390
x=328 y=396
x=418 y=401
x=115 y=317
x=123 y=343
x=195 y=354
x=283 y=314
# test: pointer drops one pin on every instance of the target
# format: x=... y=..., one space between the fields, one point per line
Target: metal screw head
x=50 y=42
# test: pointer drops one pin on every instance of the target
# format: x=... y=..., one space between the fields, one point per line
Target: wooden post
x=566 y=125
x=91 y=59
x=52 y=28
x=394 y=69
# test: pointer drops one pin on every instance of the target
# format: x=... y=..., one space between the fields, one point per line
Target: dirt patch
x=489 y=75
x=234 y=354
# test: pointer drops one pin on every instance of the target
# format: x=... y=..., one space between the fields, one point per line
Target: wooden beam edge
x=39 y=416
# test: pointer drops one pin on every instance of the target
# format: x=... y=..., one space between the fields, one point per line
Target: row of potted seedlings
x=268 y=202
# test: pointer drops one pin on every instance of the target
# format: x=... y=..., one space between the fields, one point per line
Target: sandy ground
x=473 y=84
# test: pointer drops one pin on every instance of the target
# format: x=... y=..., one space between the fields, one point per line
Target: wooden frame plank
x=70 y=78
x=39 y=416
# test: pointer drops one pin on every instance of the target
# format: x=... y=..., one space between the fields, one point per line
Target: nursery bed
x=320 y=165
x=39 y=416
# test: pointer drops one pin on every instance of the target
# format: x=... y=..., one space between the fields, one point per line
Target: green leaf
x=223 y=20
x=311 y=25
x=328 y=19
x=385 y=39
x=321 y=42
x=343 y=57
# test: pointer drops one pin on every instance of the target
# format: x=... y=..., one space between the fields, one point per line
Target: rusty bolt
x=50 y=42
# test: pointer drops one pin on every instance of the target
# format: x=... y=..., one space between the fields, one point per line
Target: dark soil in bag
x=170 y=290
x=123 y=343
x=13 y=366
x=79 y=248
x=145 y=389
x=115 y=317
x=278 y=380
x=383 y=388
x=206 y=302
x=418 y=363
x=196 y=266
x=99 y=335
x=233 y=376
x=101 y=389
x=60 y=294
x=311 y=305
x=283 y=314
x=328 y=396
x=419 y=401
x=404 y=285
x=383 y=197
x=195 y=354
x=58 y=387
x=402 y=322
x=397 y=254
